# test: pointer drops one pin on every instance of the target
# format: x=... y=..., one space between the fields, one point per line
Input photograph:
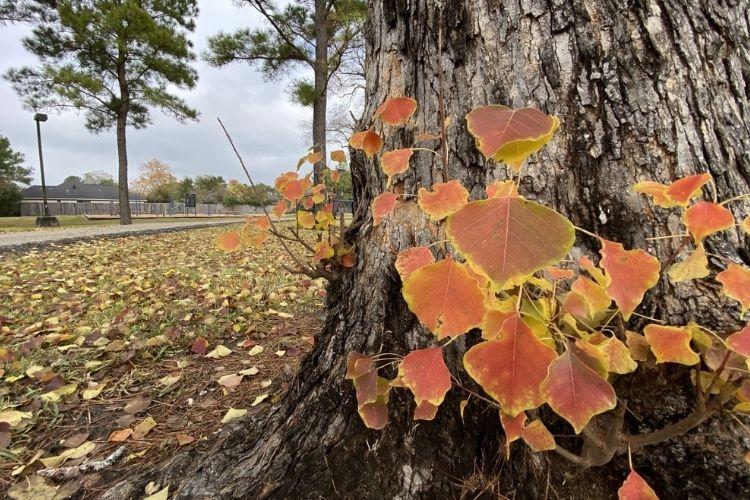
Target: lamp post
x=45 y=220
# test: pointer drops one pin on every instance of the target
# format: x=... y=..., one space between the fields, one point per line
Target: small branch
x=571 y=457
x=77 y=470
x=697 y=417
x=294 y=257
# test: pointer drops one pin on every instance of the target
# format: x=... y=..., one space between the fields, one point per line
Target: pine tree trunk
x=122 y=171
x=645 y=90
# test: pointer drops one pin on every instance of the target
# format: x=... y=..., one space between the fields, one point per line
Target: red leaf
x=396 y=110
x=630 y=273
x=511 y=368
x=671 y=344
x=736 y=282
x=635 y=488
x=375 y=414
x=494 y=318
x=508 y=238
x=411 y=259
x=445 y=298
x=444 y=199
x=513 y=426
x=395 y=162
x=382 y=206
x=200 y=346
x=367 y=141
x=705 y=218
x=424 y=372
x=280 y=208
x=677 y=194
x=739 y=342
x=357 y=364
x=230 y=241
x=509 y=135
x=575 y=391
x=538 y=437
x=425 y=411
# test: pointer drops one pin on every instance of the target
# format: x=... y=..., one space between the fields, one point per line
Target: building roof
x=74 y=191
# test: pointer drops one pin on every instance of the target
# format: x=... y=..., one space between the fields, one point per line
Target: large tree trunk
x=645 y=90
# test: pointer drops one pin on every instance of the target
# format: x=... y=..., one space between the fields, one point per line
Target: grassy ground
x=145 y=342
x=12 y=224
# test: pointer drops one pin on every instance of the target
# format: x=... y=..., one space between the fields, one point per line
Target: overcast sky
x=258 y=113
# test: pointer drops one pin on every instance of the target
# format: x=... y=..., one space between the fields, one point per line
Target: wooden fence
x=36 y=208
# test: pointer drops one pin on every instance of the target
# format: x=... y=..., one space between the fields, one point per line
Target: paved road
x=12 y=241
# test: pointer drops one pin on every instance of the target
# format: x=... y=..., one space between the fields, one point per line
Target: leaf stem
x=740 y=197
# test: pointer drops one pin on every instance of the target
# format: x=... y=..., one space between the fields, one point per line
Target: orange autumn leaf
x=510 y=135
x=338 y=156
x=511 y=368
x=305 y=219
x=444 y=199
x=382 y=206
x=635 y=488
x=336 y=176
x=739 y=342
x=367 y=141
x=695 y=266
x=594 y=294
x=396 y=110
x=706 y=218
x=323 y=250
x=671 y=344
x=677 y=194
x=559 y=274
x=357 y=364
x=631 y=273
x=538 y=437
x=507 y=238
x=445 y=298
x=618 y=355
x=314 y=157
x=308 y=203
x=280 y=208
x=501 y=189
x=425 y=411
x=263 y=222
x=746 y=224
x=575 y=391
x=230 y=241
x=736 y=284
x=424 y=372
x=512 y=426
x=411 y=259
x=395 y=162
x=375 y=414
x=494 y=317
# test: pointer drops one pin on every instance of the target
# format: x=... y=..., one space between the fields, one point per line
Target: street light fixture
x=45 y=220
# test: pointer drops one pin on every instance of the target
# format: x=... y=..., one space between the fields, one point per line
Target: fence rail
x=36 y=208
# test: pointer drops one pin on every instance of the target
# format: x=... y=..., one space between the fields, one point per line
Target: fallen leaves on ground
x=143 y=341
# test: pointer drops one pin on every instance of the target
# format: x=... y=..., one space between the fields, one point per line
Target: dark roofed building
x=73 y=191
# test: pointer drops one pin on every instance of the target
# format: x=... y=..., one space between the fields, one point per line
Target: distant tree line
x=157 y=184
x=12 y=173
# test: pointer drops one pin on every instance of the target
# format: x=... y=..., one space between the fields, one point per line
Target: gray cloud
x=258 y=113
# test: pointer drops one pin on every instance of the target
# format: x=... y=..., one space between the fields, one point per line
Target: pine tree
x=322 y=34
x=113 y=60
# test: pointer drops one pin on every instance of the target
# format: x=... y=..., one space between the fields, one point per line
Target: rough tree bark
x=645 y=90
x=122 y=147
x=320 y=101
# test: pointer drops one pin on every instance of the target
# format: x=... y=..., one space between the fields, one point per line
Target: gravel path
x=15 y=241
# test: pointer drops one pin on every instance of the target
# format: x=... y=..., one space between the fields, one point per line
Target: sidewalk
x=13 y=241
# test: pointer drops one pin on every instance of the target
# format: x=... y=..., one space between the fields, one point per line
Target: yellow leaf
x=220 y=352
x=250 y=371
x=232 y=414
x=162 y=494
x=93 y=390
x=79 y=452
x=255 y=350
x=59 y=393
x=14 y=417
x=259 y=399
x=143 y=428
x=170 y=379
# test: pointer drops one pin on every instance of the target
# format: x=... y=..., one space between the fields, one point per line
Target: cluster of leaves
x=313 y=210
x=100 y=343
x=553 y=329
